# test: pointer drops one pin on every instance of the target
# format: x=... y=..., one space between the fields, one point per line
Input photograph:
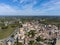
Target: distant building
x=6 y=23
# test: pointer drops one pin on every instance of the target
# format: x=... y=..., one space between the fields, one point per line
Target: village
x=32 y=33
x=35 y=33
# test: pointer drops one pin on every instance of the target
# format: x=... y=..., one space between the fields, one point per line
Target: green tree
x=31 y=42
x=32 y=33
x=39 y=39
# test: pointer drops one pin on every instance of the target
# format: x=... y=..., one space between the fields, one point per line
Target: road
x=9 y=37
x=58 y=42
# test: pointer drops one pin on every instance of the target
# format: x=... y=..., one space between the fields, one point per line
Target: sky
x=30 y=7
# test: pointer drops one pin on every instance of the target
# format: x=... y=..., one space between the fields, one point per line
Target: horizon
x=33 y=15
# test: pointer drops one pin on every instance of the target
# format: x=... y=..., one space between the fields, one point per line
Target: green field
x=6 y=32
x=1 y=44
x=18 y=43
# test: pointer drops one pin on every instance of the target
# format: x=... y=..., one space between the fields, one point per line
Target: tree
x=4 y=27
x=17 y=41
x=12 y=36
x=39 y=39
x=31 y=42
x=32 y=33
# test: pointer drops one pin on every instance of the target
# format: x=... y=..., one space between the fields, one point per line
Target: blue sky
x=30 y=7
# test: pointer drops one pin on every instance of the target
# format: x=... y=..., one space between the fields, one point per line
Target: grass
x=18 y=43
x=7 y=31
x=4 y=33
x=37 y=43
x=31 y=42
x=1 y=44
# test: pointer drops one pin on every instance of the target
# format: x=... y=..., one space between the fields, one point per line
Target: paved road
x=9 y=37
x=58 y=42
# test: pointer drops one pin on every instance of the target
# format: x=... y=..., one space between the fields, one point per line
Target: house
x=9 y=42
x=21 y=35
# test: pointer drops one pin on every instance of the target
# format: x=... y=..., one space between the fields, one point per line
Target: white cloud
x=51 y=7
x=14 y=0
x=21 y=1
x=8 y=10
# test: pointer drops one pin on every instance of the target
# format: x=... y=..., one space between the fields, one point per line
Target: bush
x=39 y=39
x=32 y=33
x=4 y=27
